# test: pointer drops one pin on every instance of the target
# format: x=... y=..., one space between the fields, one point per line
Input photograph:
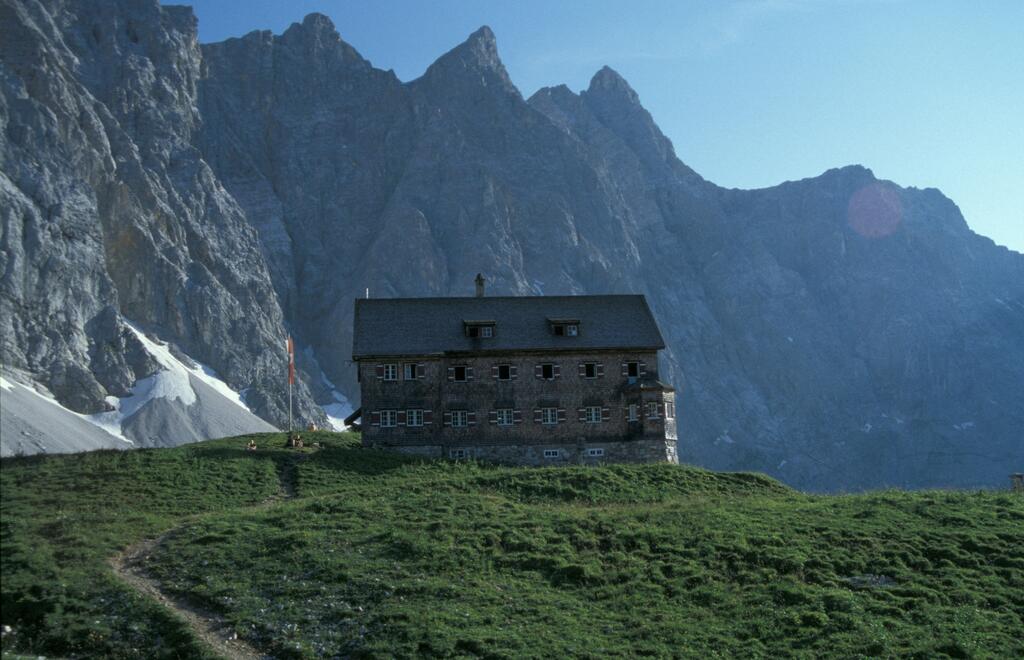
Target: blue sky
x=926 y=93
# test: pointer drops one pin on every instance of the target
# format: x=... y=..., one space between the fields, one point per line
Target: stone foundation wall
x=630 y=451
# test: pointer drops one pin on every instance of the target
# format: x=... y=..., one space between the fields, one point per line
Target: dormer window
x=565 y=327
x=479 y=329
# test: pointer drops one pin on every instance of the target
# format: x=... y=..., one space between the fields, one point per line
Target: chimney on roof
x=479 y=285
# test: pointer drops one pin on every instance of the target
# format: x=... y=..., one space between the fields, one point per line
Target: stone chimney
x=479 y=285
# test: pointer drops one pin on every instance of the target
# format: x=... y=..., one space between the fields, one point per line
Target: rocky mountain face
x=839 y=332
x=111 y=214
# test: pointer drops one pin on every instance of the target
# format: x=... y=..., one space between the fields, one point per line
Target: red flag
x=291 y=362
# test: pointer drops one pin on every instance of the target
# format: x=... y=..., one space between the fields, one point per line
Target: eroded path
x=129 y=566
x=208 y=626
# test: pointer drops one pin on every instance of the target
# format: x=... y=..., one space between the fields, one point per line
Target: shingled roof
x=434 y=326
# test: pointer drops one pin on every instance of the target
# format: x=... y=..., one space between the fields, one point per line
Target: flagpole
x=291 y=381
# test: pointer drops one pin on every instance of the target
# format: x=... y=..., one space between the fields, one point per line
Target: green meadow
x=342 y=551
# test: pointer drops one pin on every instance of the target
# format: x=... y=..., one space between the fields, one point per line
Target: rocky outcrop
x=110 y=212
x=838 y=332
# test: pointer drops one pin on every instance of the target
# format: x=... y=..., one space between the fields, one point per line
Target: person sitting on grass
x=251 y=446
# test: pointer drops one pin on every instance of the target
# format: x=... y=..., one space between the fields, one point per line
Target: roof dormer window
x=479 y=329
x=565 y=327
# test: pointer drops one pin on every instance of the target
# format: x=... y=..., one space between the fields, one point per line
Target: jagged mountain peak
x=474 y=59
x=607 y=82
x=317 y=33
x=317 y=21
x=556 y=92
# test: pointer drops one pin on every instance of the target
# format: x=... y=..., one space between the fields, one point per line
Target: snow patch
x=963 y=426
x=200 y=371
x=171 y=383
x=340 y=408
x=337 y=412
x=7 y=385
x=866 y=428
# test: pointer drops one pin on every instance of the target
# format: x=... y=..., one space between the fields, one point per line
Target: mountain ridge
x=796 y=315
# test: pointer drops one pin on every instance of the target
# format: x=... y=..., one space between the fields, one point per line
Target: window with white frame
x=504 y=372
x=414 y=417
x=459 y=374
x=486 y=331
x=390 y=372
x=505 y=416
x=652 y=410
x=460 y=418
x=633 y=369
x=592 y=414
x=409 y=371
x=388 y=418
x=595 y=451
x=632 y=412
x=590 y=370
x=572 y=330
x=549 y=416
x=547 y=371
x=552 y=453
x=459 y=453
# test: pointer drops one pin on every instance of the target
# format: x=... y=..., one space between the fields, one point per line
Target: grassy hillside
x=342 y=551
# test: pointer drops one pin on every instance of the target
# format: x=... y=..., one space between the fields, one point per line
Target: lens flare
x=874 y=211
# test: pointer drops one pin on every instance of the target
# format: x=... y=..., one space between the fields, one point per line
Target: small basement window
x=552 y=453
x=595 y=451
x=459 y=453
